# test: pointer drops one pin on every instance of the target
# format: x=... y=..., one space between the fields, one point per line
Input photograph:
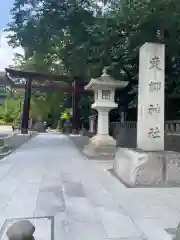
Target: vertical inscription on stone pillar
x=150 y=126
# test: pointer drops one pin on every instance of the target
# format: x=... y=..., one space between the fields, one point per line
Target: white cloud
x=7 y=52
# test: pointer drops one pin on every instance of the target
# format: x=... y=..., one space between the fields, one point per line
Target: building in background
x=5 y=86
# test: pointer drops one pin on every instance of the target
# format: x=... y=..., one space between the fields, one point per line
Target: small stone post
x=21 y=230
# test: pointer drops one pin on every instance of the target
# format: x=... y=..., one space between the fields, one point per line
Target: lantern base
x=101 y=145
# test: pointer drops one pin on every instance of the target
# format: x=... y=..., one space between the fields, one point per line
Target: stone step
x=4 y=154
x=11 y=142
x=4 y=149
x=1 y=142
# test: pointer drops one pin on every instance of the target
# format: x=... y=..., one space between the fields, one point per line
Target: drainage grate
x=44 y=227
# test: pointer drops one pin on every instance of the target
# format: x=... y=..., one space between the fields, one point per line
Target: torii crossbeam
x=49 y=82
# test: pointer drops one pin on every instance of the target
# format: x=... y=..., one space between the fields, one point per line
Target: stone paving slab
x=48 y=176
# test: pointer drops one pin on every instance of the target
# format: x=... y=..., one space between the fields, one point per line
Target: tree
x=10 y=110
x=84 y=36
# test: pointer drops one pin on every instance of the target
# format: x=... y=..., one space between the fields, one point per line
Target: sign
x=150 y=126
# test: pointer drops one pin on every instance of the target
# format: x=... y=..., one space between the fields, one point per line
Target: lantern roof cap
x=105 y=80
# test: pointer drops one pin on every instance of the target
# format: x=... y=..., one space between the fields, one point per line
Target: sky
x=6 y=52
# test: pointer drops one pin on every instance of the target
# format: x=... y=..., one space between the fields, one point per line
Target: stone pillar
x=150 y=125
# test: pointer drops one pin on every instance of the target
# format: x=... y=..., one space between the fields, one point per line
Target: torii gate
x=51 y=83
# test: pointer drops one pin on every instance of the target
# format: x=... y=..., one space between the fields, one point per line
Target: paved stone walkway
x=48 y=177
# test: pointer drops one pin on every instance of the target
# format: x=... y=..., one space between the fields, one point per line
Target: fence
x=125 y=134
x=172 y=127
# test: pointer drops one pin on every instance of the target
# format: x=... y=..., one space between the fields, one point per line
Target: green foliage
x=3 y=122
x=66 y=114
x=10 y=110
x=92 y=34
x=80 y=37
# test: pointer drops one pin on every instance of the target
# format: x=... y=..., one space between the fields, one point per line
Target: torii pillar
x=75 y=108
x=26 y=107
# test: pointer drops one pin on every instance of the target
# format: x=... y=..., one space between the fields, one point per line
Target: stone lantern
x=104 y=92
